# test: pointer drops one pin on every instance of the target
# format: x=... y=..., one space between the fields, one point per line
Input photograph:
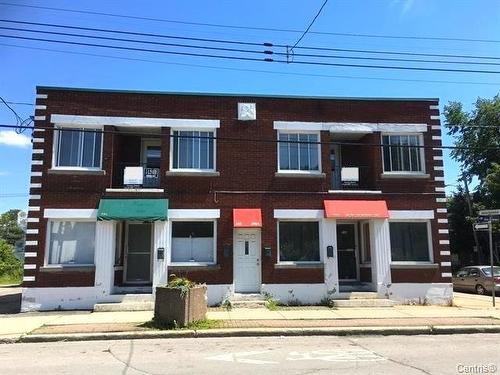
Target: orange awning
x=354 y=209
x=247 y=218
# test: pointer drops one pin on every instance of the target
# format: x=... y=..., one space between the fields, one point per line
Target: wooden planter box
x=171 y=306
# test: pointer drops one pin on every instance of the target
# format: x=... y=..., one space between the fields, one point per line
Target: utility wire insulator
x=267 y=52
x=268 y=59
x=268 y=44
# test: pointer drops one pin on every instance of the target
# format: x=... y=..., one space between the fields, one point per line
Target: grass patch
x=172 y=325
x=10 y=280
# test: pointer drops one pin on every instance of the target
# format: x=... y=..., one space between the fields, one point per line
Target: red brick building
x=298 y=197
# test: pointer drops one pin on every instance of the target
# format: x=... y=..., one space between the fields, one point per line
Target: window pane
x=405 y=152
x=69 y=148
x=313 y=153
x=395 y=153
x=299 y=241
x=196 y=150
x=303 y=152
x=204 y=158
x=175 y=151
x=387 y=153
x=210 y=150
x=193 y=241
x=409 y=241
x=97 y=150
x=71 y=242
x=284 y=147
x=184 y=150
x=415 y=154
x=294 y=151
x=88 y=149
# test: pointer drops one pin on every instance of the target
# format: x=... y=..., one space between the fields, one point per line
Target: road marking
x=336 y=355
x=237 y=357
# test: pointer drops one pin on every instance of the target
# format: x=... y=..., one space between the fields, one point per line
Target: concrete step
x=247 y=297
x=136 y=297
x=358 y=295
x=124 y=306
x=248 y=304
x=248 y=300
x=373 y=302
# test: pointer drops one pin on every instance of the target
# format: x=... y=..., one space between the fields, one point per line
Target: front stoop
x=129 y=302
x=247 y=300
x=362 y=299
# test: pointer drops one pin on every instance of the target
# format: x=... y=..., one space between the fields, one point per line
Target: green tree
x=10 y=231
x=492 y=186
x=10 y=267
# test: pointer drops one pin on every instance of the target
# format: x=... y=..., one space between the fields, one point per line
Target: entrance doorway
x=137 y=254
x=347 y=249
x=247 y=260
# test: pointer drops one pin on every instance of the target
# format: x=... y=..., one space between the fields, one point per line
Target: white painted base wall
x=217 y=293
x=307 y=294
x=425 y=293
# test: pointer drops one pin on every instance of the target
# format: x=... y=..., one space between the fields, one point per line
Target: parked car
x=476 y=279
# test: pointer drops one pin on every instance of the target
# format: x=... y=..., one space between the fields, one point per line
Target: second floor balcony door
x=151 y=159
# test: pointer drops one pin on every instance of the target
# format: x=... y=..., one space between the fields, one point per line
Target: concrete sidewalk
x=469 y=311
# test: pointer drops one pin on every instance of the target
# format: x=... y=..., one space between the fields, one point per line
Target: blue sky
x=22 y=69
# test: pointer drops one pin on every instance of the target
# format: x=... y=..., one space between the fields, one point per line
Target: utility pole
x=469 y=204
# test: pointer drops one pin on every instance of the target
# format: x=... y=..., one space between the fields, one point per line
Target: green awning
x=133 y=209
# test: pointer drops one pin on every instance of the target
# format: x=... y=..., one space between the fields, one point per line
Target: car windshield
x=496 y=271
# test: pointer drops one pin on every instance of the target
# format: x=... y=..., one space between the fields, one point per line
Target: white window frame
x=306 y=262
x=194 y=264
x=194 y=170
x=298 y=171
x=55 y=146
x=429 y=240
x=47 y=243
x=421 y=154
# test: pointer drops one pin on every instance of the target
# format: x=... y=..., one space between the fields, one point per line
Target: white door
x=246 y=253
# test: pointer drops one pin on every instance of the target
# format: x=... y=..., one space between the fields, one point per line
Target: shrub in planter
x=180 y=302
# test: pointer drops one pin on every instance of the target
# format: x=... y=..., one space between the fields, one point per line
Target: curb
x=258 y=332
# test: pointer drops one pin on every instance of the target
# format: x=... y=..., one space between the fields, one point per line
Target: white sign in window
x=193 y=242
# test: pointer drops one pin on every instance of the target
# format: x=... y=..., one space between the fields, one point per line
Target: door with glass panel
x=151 y=157
x=138 y=241
x=346 y=251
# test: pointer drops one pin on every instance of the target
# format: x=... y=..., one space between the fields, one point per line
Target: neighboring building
x=218 y=199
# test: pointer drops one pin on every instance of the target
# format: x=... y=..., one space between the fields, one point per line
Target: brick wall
x=243 y=166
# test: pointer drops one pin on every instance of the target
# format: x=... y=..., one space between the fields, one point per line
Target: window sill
x=76 y=171
x=193 y=267
x=298 y=265
x=354 y=191
x=300 y=174
x=193 y=173
x=67 y=268
x=413 y=265
x=405 y=175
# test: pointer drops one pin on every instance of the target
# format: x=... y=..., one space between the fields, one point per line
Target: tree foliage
x=10 y=231
x=477 y=133
x=10 y=266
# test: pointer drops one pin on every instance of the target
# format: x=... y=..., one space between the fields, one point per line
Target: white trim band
x=446 y=274
x=36 y=174
x=349 y=127
x=445 y=264
x=30 y=254
x=411 y=214
x=34 y=208
x=440 y=189
x=436 y=137
x=439 y=178
x=35 y=196
x=31 y=231
x=445 y=252
x=35 y=185
x=31 y=243
x=435 y=117
x=194 y=214
x=38 y=150
x=40 y=118
x=147 y=122
x=28 y=278
x=443 y=221
x=42 y=96
x=441 y=210
x=444 y=242
x=37 y=162
x=443 y=231
x=434 y=107
x=441 y=200
x=299 y=214
x=70 y=213
x=32 y=220
x=30 y=267
x=437 y=158
x=438 y=168
x=41 y=107
x=436 y=127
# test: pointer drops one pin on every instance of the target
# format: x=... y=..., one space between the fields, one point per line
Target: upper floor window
x=401 y=153
x=193 y=150
x=298 y=152
x=78 y=148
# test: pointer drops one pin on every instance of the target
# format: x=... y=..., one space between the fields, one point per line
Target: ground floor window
x=193 y=241
x=298 y=241
x=71 y=242
x=409 y=241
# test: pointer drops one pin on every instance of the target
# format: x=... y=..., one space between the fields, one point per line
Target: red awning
x=247 y=218
x=354 y=209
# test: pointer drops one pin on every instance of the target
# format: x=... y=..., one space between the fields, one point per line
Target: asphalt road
x=442 y=354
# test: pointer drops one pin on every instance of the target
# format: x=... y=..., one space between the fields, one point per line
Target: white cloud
x=4 y=173
x=11 y=138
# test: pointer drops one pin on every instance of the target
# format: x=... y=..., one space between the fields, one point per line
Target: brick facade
x=247 y=172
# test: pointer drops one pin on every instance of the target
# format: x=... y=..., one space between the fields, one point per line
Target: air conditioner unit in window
x=133 y=176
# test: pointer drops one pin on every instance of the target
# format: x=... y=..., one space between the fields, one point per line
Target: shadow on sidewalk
x=10 y=300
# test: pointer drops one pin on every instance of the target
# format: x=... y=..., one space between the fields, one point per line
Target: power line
x=250 y=140
x=238 y=27
x=268 y=52
x=413 y=68
x=226 y=41
x=310 y=25
x=252 y=70
x=19 y=103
